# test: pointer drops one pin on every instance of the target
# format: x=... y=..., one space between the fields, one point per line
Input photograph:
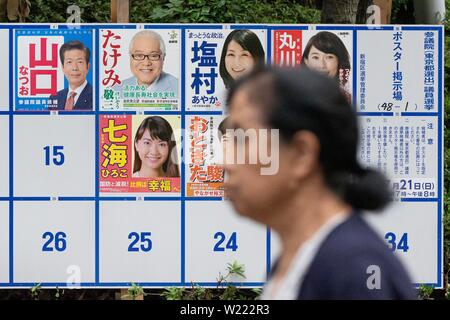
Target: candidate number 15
x=56 y=155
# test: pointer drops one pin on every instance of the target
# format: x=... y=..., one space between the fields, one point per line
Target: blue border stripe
x=440 y=159
x=421 y=28
x=288 y=27
x=101 y=198
x=355 y=70
x=29 y=26
x=248 y=26
x=11 y=164
x=162 y=198
x=419 y=114
x=161 y=26
x=182 y=169
x=204 y=113
x=31 y=198
x=113 y=26
x=77 y=198
x=183 y=243
x=32 y=112
x=362 y=27
x=163 y=112
x=97 y=159
x=375 y=114
x=203 y=198
x=113 y=112
x=66 y=113
x=203 y=26
x=126 y=284
x=269 y=46
x=11 y=242
x=419 y=200
x=4 y=112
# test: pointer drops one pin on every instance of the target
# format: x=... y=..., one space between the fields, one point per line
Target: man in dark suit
x=75 y=65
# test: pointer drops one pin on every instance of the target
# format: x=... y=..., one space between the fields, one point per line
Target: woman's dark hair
x=328 y=42
x=293 y=99
x=158 y=128
x=249 y=41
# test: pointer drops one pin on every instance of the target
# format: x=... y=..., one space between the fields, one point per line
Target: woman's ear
x=305 y=153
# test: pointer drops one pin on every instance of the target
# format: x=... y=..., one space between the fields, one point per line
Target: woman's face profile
x=326 y=63
x=153 y=152
x=238 y=62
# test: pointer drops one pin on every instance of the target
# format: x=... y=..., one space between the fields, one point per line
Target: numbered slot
x=140 y=241
x=54 y=242
x=54 y=156
x=216 y=236
x=410 y=230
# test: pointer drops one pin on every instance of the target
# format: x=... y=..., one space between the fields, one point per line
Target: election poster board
x=111 y=139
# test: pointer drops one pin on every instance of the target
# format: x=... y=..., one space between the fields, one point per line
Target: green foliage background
x=246 y=11
x=180 y=11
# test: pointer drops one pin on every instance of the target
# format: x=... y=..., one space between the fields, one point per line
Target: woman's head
x=155 y=147
x=241 y=53
x=326 y=53
x=318 y=138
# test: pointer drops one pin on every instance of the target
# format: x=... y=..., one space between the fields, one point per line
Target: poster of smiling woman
x=326 y=51
x=215 y=58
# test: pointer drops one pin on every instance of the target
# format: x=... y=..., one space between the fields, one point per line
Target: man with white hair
x=147 y=54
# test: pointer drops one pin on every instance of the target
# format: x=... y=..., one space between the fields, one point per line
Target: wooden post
x=386 y=8
x=120 y=11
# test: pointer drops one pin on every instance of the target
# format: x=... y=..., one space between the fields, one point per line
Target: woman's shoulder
x=348 y=257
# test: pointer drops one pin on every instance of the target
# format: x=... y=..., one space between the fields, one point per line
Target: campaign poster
x=54 y=70
x=328 y=52
x=205 y=143
x=215 y=59
x=139 y=69
x=139 y=154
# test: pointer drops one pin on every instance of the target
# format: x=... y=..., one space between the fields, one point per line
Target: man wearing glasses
x=147 y=53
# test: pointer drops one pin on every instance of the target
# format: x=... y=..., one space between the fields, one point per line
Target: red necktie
x=70 y=100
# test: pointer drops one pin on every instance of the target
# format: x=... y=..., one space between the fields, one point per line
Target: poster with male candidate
x=53 y=69
x=328 y=52
x=206 y=139
x=215 y=58
x=139 y=154
x=139 y=69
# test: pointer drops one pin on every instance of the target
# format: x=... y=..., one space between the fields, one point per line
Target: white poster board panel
x=4 y=241
x=54 y=241
x=140 y=241
x=217 y=236
x=54 y=156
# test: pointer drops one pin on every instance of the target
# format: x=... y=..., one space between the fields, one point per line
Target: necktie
x=70 y=100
